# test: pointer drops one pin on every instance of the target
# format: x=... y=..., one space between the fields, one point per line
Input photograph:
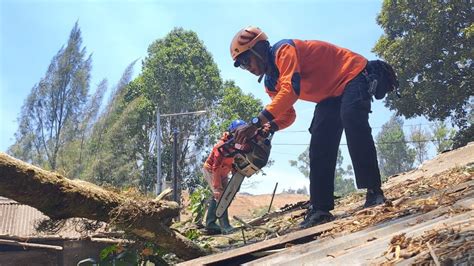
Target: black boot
x=374 y=197
x=211 y=226
x=226 y=228
x=315 y=217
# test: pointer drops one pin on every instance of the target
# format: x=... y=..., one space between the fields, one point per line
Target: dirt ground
x=244 y=206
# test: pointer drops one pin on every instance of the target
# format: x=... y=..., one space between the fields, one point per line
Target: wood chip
x=433 y=255
x=397 y=252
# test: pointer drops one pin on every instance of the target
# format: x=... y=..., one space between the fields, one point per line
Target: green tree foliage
x=54 y=109
x=138 y=254
x=114 y=150
x=430 y=45
x=74 y=156
x=420 y=140
x=466 y=135
x=199 y=201
x=234 y=104
x=342 y=185
x=394 y=155
x=302 y=163
x=442 y=136
x=462 y=138
x=178 y=75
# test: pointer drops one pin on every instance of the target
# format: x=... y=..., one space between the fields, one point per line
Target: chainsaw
x=247 y=161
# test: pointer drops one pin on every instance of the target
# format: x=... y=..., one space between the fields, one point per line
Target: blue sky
x=118 y=32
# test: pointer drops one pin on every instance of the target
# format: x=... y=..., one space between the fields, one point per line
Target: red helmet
x=245 y=39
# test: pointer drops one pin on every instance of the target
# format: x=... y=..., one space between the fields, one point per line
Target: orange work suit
x=309 y=70
x=217 y=168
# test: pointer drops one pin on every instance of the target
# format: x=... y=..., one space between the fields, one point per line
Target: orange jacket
x=217 y=164
x=307 y=70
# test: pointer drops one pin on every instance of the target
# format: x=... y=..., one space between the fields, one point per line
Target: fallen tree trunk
x=62 y=198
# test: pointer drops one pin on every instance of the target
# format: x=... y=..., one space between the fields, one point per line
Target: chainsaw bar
x=229 y=193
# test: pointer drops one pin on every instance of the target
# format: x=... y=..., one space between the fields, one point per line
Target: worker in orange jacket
x=216 y=171
x=336 y=79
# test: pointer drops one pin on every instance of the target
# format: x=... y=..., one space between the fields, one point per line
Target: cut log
x=62 y=198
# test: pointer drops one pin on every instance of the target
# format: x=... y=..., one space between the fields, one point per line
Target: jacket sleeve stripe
x=295 y=82
x=267 y=115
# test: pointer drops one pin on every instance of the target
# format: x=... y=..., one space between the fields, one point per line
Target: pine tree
x=52 y=113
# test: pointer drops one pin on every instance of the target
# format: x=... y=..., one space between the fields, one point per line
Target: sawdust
x=413 y=196
x=448 y=244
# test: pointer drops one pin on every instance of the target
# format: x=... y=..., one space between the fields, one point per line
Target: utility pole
x=175 y=167
x=159 y=181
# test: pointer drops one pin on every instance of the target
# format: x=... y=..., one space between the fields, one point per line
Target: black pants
x=350 y=112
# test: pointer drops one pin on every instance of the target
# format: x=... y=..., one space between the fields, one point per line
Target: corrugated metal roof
x=18 y=220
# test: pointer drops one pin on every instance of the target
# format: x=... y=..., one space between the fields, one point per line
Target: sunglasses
x=244 y=62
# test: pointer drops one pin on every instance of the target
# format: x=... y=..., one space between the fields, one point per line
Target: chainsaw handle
x=259 y=133
x=228 y=150
x=264 y=133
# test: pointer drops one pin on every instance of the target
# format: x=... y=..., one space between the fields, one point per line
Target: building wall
x=75 y=251
x=29 y=257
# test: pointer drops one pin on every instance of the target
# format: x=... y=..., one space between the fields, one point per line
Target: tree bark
x=62 y=198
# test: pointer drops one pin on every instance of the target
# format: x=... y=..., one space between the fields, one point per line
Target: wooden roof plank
x=320 y=249
x=260 y=246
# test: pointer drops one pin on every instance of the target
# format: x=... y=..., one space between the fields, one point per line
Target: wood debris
x=451 y=243
x=412 y=197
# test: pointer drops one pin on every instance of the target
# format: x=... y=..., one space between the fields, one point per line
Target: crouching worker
x=216 y=172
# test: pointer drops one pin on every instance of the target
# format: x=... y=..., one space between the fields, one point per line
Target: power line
x=285 y=153
x=385 y=142
x=184 y=113
x=306 y=130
